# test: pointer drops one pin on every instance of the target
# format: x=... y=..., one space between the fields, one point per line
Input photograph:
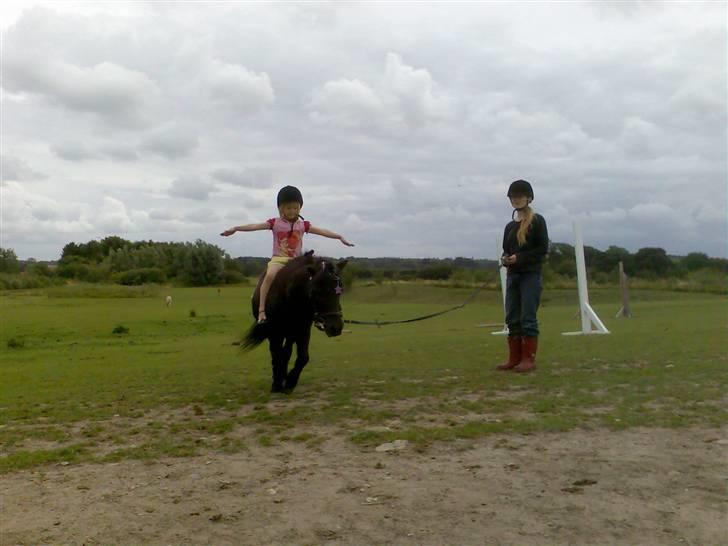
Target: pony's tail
x=256 y=335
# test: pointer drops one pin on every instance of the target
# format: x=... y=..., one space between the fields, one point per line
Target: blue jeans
x=523 y=296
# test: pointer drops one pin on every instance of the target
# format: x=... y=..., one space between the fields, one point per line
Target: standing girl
x=288 y=230
x=525 y=246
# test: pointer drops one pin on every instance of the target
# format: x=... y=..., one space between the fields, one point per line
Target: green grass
x=174 y=385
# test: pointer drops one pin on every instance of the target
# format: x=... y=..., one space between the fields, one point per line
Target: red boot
x=528 y=362
x=514 y=354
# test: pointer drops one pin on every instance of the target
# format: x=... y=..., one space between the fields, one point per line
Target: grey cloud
x=18 y=170
x=247 y=178
x=79 y=152
x=202 y=216
x=191 y=187
x=120 y=153
x=403 y=189
x=74 y=152
x=164 y=215
x=44 y=213
x=171 y=143
x=236 y=216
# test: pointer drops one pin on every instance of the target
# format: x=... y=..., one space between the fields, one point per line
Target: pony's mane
x=304 y=261
x=292 y=268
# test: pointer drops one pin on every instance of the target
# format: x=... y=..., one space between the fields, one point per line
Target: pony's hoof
x=291 y=383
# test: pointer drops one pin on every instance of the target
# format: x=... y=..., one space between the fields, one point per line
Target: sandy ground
x=642 y=486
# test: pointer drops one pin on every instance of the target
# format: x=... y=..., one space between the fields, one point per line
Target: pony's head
x=325 y=289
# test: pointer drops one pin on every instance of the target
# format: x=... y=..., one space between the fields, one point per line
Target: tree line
x=117 y=260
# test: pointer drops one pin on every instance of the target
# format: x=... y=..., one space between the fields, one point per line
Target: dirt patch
x=642 y=486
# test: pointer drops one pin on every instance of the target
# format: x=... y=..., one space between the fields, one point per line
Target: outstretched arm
x=246 y=227
x=329 y=234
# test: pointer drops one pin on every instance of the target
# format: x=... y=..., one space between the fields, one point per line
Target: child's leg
x=270 y=274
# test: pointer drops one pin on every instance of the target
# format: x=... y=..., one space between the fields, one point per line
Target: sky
x=402 y=123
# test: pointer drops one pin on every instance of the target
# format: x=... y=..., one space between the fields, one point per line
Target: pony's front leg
x=279 y=362
x=302 y=341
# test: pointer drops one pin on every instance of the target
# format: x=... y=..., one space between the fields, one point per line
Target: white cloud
x=403 y=96
x=416 y=92
x=30 y=219
x=106 y=89
x=238 y=87
x=113 y=217
x=349 y=103
x=639 y=137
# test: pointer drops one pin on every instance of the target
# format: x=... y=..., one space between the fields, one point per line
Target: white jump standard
x=503 y=278
x=588 y=317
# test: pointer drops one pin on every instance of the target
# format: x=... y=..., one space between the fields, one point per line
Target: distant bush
x=702 y=280
x=8 y=261
x=15 y=343
x=436 y=273
x=234 y=277
x=193 y=313
x=24 y=281
x=40 y=268
x=347 y=278
x=709 y=280
x=134 y=263
x=144 y=275
x=120 y=330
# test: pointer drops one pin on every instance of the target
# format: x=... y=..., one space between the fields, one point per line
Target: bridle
x=320 y=316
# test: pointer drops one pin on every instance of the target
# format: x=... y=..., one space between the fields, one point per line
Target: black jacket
x=531 y=255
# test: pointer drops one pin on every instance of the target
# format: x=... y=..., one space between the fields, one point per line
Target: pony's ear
x=341 y=264
x=308 y=257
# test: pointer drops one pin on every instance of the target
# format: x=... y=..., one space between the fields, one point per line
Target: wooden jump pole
x=625 y=310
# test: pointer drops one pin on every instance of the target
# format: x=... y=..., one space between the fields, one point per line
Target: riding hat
x=290 y=194
x=519 y=188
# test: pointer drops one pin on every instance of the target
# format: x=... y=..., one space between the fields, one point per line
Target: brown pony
x=304 y=293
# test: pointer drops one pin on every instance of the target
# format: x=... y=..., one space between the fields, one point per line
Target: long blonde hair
x=526 y=221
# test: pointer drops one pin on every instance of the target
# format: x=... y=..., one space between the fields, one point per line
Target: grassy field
x=71 y=390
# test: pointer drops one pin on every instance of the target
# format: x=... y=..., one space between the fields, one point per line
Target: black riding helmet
x=290 y=194
x=520 y=187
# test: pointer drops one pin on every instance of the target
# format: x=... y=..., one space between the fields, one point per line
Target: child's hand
x=347 y=243
x=228 y=232
x=509 y=260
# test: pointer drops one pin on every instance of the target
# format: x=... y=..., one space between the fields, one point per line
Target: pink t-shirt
x=288 y=242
